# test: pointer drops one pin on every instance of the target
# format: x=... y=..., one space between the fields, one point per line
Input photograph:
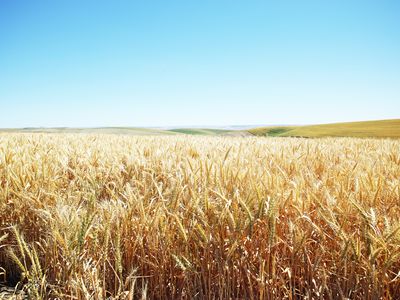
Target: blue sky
x=167 y=63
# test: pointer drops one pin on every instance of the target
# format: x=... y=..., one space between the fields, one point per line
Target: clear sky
x=166 y=63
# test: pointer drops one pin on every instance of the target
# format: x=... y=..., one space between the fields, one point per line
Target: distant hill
x=381 y=128
x=210 y=131
x=200 y=131
x=102 y=130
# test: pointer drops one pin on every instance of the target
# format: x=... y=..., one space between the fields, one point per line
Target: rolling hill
x=200 y=131
x=101 y=130
x=380 y=128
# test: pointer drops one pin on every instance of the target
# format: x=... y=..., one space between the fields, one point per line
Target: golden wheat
x=178 y=217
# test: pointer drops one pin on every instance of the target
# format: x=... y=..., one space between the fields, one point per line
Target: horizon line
x=167 y=127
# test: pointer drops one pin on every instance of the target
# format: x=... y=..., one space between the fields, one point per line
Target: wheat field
x=86 y=216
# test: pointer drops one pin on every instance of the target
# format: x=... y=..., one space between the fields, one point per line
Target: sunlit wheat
x=171 y=217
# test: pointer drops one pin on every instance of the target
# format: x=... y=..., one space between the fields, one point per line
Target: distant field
x=98 y=130
x=200 y=131
x=207 y=131
x=127 y=131
x=133 y=131
x=381 y=128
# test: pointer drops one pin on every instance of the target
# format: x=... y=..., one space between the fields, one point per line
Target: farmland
x=95 y=216
x=364 y=129
x=379 y=128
